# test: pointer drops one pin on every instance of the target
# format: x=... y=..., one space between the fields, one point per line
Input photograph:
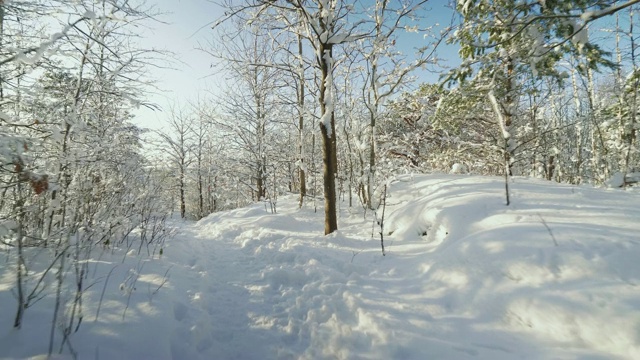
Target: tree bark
x=301 y=168
x=183 y=207
x=329 y=156
x=330 y=218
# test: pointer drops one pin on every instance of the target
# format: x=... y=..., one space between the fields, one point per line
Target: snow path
x=212 y=317
x=269 y=286
x=300 y=295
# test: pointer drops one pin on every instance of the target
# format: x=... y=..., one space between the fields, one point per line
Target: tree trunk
x=20 y=269
x=508 y=118
x=259 y=183
x=329 y=156
x=630 y=131
x=1 y=45
x=215 y=201
x=372 y=159
x=200 y=185
x=183 y=206
x=330 y=218
x=550 y=166
x=301 y=168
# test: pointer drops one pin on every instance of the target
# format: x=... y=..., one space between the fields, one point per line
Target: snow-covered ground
x=556 y=275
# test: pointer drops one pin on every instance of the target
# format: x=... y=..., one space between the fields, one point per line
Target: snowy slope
x=554 y=276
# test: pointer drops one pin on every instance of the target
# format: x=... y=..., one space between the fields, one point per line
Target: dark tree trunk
x=301 y=171
x=550 y=167
x=200 y=191
x=329 y=152
x=183 y=206
x=329 y=180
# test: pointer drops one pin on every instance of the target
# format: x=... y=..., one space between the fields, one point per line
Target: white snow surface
x=553 y=276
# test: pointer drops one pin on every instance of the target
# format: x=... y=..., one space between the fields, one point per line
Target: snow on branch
x=589 y=16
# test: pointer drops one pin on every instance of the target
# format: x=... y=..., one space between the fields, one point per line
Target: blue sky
x=188 y=26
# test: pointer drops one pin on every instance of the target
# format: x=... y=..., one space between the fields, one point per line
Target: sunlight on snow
x=552 y=276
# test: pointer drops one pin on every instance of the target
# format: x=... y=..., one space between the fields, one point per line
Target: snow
x=617 y=180
x=555 y=275
x=464 y=6
x=343 y=37
x=33 y=56
x=89 y=15
x=580 y=38
x=458 y=168
x=588 y=15
x=26 y=59
x=325 y=119
x=501 y=121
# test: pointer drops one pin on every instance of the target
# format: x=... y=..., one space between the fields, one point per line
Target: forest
x=322 y=99
x=543 y=89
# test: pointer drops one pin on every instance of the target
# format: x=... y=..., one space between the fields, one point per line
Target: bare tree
x=325 y=24
x=249 y=105
x=177 y=144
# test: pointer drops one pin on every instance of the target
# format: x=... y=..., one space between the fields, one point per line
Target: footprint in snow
x=179 y=311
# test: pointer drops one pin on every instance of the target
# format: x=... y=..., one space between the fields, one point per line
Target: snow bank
x=557 y=265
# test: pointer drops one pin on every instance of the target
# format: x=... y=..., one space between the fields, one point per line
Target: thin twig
x=103 y=290
x=548 y=229
x=384 y=206
x=165 y=278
